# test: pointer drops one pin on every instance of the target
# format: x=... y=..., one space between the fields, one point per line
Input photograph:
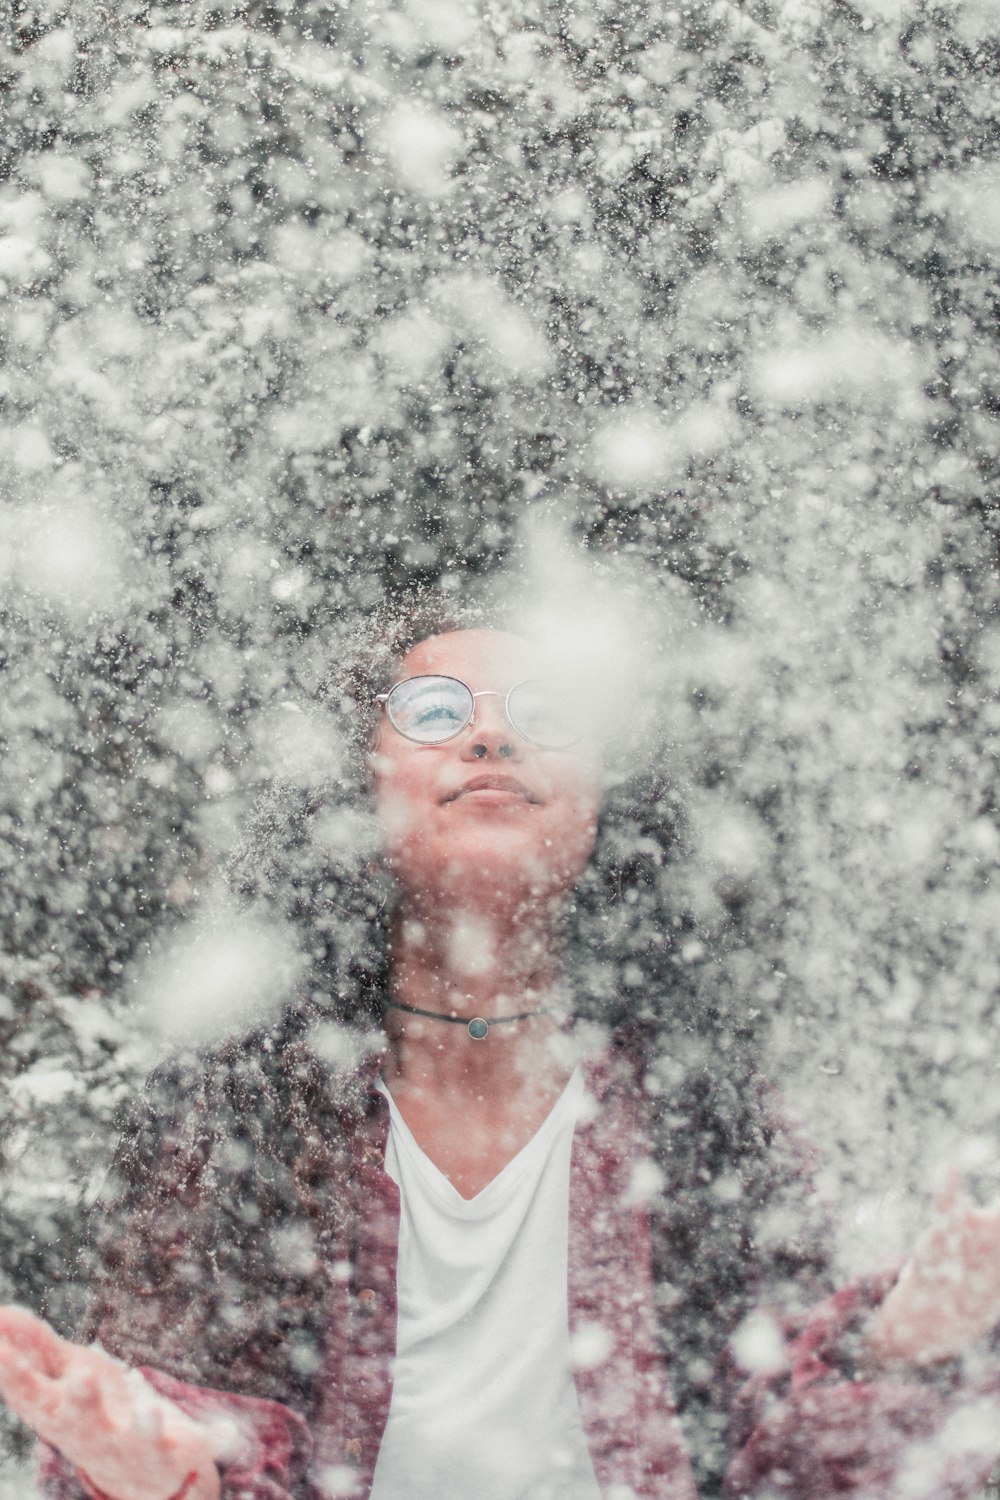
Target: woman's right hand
x=948 y=1295
x=127 y=1442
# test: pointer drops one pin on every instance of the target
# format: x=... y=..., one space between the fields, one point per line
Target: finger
x=114 y=1379
x=950 y=1192
x=207 y=1486
x=32 y=1337
x=83 y=1398
x=69 y=1414
x=979 y=1278
x=149 y=1419
x=989 y=1219
x=28 y=1392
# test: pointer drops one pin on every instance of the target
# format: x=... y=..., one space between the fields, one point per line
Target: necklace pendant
x=478 y=1029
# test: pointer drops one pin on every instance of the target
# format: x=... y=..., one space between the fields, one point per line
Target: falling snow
x=672 y=328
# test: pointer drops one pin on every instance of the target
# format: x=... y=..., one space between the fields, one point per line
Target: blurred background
x=306 y=303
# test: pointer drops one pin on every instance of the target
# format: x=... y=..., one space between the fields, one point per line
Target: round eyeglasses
x=431 y=710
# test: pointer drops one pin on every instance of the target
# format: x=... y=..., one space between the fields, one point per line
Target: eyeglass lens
x=430 y=710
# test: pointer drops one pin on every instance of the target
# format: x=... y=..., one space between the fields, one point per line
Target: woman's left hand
x=948 y=1293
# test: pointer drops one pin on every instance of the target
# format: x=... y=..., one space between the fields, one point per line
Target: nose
x=490 y=736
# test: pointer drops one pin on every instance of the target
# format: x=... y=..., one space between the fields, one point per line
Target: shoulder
x=260 y=1102
x=715 y=1125
x=229 y=1193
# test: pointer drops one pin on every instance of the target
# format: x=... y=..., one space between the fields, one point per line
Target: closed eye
x=438 y=714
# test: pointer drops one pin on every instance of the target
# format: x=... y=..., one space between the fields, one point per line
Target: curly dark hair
x=231 y=1182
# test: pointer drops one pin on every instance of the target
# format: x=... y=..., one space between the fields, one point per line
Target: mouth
x=502 y=785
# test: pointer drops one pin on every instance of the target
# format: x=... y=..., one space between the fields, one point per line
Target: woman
x=491 y=1251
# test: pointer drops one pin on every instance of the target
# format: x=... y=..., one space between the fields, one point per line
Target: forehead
x=481 y=658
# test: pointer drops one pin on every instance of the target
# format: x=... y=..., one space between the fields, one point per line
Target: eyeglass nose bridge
x=505 y=750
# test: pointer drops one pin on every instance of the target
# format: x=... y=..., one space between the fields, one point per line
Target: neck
x=470 y=966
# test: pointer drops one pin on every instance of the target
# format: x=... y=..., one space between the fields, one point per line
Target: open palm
x=128 y=1442
x=948 y=1294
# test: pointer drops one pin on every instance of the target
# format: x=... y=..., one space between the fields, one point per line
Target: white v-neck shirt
x=484 y=1406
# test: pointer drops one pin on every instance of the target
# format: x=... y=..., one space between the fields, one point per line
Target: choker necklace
x=478 y=1028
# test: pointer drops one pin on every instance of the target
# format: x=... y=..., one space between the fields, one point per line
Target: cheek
x=581 y=801
x=405 y=801
x=585 y=830
x=401 y=799
x=395 y=817
x=571 y=830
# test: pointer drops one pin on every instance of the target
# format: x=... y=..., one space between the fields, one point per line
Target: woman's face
x=487 y=814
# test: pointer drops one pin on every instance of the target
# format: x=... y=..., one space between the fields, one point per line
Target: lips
x=492 y=783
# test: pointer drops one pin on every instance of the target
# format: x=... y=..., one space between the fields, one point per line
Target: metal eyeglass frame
x=383 y=700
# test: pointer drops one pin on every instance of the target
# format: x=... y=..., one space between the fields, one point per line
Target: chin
x=486 y=866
